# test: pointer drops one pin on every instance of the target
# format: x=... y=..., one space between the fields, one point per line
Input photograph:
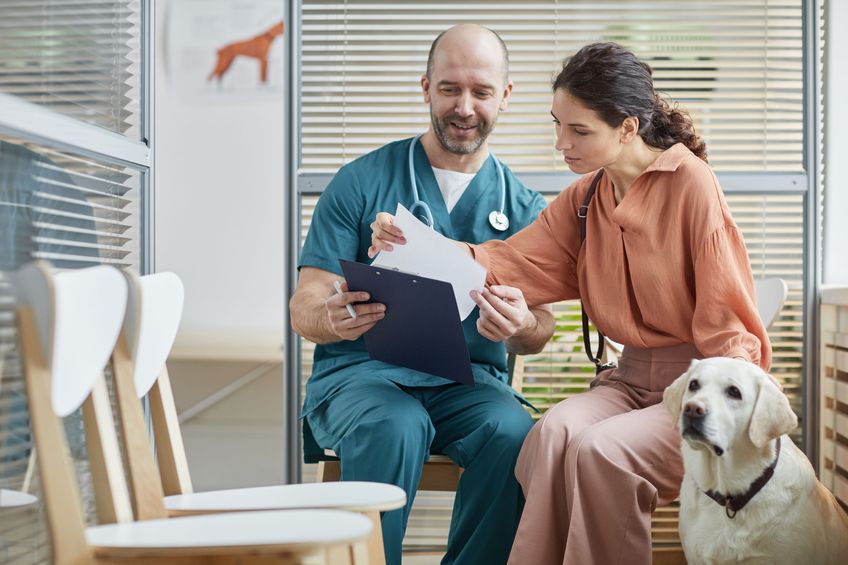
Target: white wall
x=220 y=224
x=835 y=267
x=219 y=216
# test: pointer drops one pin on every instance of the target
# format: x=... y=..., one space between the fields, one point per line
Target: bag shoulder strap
x=582 y=214
x=583 y=210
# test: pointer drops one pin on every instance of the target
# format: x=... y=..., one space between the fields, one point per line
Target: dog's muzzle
x=693 y=430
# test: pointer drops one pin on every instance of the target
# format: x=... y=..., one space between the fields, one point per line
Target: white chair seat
x=355 y=496
x=16 y=498
x=244 y=530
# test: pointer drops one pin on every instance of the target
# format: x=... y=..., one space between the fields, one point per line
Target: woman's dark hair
x=614 y=83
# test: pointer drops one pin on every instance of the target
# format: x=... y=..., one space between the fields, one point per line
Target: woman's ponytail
x=670 y=125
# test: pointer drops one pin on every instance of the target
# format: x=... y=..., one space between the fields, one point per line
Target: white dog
x=748 y=494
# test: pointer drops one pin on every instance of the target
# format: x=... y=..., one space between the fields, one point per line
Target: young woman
x=663 y=270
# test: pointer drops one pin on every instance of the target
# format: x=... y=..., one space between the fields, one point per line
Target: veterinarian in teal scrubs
x=383 y=420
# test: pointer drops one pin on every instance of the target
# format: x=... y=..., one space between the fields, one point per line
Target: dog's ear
x=673 y=395
x=772 y=416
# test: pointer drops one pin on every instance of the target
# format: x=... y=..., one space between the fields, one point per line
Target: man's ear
x=772 y=416
x=425 y=88
x=673 y=395
x=505 y=99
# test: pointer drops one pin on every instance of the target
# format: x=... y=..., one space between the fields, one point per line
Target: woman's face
x=586 y=141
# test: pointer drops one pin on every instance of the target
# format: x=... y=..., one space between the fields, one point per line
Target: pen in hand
x=349 y=307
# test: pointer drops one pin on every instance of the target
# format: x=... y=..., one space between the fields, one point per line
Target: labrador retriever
x=749 y=495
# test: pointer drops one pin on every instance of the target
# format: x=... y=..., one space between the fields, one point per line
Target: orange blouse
x=666 y=266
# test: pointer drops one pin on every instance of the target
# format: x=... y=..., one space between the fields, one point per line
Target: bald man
x=382 y=420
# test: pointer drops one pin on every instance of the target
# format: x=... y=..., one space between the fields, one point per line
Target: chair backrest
x=154 y=309
x=771 y=295
x=163 y=301
x=68 y=322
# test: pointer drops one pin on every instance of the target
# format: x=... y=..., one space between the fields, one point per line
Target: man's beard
x=441 y=125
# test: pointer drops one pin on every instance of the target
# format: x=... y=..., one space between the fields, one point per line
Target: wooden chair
x=154 y=308
x=68 y=324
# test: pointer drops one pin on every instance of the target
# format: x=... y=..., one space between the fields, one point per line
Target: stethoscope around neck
x=497 y=218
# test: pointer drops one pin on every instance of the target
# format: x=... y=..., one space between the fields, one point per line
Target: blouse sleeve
x=541 y=259
x=726 y=322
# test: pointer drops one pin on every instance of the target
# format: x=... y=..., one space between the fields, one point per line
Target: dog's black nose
x=694 y=410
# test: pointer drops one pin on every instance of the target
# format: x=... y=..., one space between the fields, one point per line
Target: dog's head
x=719 y=402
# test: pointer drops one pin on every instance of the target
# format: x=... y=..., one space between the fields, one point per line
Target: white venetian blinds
x=80 y=58
x=71 y=210
x=70 y=193
x=736 y=65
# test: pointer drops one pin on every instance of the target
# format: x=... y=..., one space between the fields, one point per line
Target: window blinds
x=736 y=65
x=71 y=210
x=80 y=58
x=75 y=212
x=77 y=59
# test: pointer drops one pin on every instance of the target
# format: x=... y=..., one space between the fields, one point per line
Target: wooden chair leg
x=361 y=553
x=30 y=471
x=376 y=552
x=343 y=555
x=329 y=471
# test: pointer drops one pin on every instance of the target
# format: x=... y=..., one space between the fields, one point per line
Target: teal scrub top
x=340 y=229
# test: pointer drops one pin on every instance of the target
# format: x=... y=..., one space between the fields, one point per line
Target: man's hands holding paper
x=504 y=314
x=383 y=234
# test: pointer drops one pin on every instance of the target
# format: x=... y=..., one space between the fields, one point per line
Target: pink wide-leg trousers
x=596 y=465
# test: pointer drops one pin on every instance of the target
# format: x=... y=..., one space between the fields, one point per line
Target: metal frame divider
x=812 y=229
x=291 y=364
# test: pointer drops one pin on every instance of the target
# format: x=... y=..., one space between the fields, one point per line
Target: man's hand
x=384 y=233
x=503 y=312
x=341 y=322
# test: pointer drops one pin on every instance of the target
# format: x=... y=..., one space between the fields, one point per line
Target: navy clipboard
x=421 y=330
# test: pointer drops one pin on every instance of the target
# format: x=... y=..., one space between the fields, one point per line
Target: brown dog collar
x=734 y=503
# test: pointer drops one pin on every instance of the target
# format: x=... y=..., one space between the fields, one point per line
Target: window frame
x=32 y=122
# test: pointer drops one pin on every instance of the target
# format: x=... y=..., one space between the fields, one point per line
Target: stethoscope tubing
x=497 y=218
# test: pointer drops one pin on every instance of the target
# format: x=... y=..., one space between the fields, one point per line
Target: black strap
x=733 y=504
x=582 y=214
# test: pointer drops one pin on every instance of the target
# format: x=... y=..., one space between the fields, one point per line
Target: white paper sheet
x=430 y=254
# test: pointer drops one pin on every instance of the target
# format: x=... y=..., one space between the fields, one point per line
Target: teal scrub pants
x=384 y=432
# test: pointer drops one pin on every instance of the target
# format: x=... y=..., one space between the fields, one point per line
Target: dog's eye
x=694 y=385
x=733 y=392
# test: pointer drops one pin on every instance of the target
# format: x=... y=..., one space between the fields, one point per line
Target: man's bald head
x=462 y=35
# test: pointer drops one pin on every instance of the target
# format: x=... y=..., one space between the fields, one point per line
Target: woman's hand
x=503 y=312
x=384 y=234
